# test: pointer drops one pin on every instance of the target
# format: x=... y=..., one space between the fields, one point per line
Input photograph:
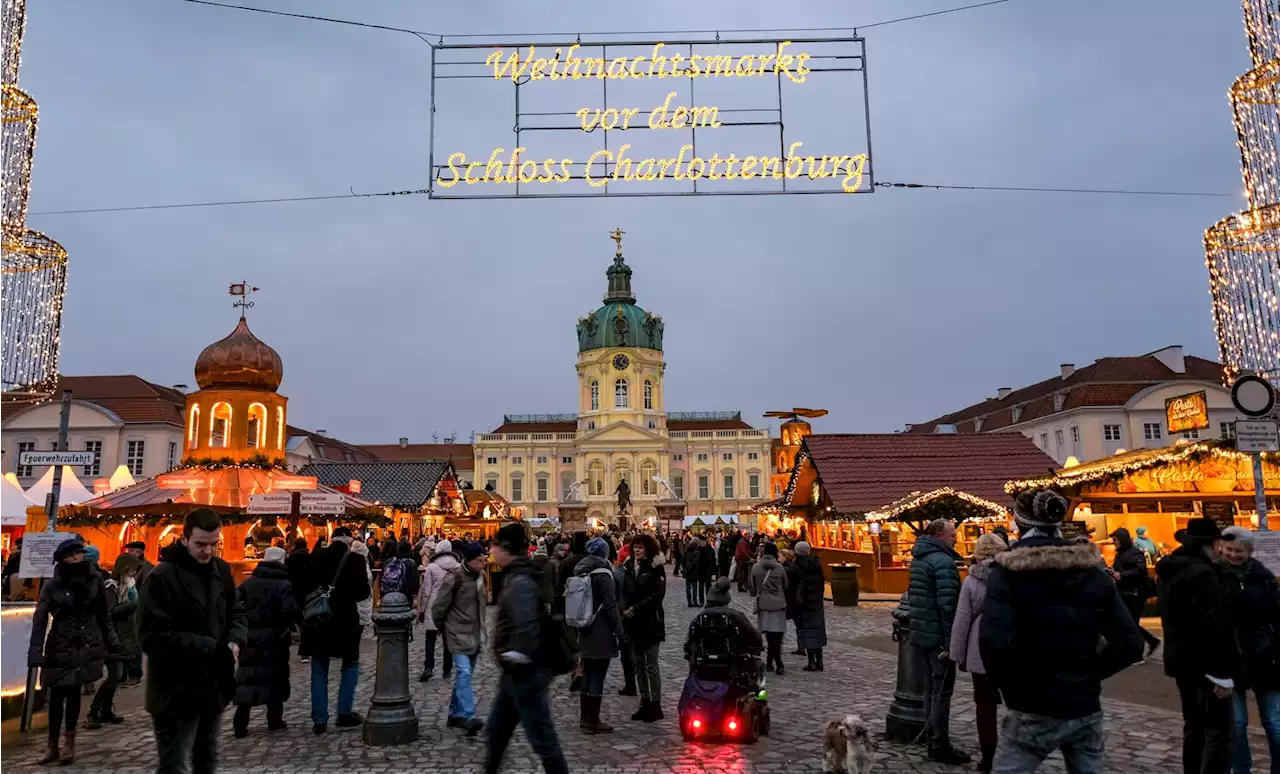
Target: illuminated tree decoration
x=33 y=266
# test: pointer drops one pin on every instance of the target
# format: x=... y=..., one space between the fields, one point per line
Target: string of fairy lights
x=33 y=267
x=1242 y=251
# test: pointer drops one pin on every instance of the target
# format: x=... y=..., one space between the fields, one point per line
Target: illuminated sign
x=182 y=481
x=1187 y=412
x=693 y=117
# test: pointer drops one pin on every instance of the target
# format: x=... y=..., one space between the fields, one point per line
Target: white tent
x=121 y=478
x=72 y=491
x=709 y=520
x=13 y=502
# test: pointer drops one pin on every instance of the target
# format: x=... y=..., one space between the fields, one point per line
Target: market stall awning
x=707 y=520
x=70 y=493
x=13 y=503
x=918 y=503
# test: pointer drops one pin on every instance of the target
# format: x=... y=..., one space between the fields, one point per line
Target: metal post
x=1259 y=492
x=391 y=719
x=906 y=717
x=51 y=502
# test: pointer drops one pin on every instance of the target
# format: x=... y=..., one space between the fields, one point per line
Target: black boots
x=815 y=660
x=590 y=722
x=988 y=757
x=945 y=753
x=649 y=711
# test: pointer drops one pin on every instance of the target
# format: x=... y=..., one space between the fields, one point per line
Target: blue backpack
x=394 y=574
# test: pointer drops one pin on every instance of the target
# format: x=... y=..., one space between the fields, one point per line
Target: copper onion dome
x=239 y=360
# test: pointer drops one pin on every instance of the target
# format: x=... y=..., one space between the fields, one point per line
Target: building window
x=648 y=395
x=595 y=396
x=542 y=489
x=257 y=426
x=1075 y=434
x=622 y=472
x=491 y=482
x=1151 y=431
x=192 y=427
x=653 y=425
x=595 y=475
x=96 y=468
x=677 y=458
x=591 y=425
x=517 y=489
x=25 y=471
x=517 y=460
x=280 y=427
x=704 y=486
x=491 y=460
x=566 y=483
x=220 y=425
x=1057 y=439
x=728 y=457
x=1044 y=441
x=752 y=456
x=677 y=484
x=647 y=472
x=1227 y=430
x=1111 y=432
x=566 y=460
x=1191 y=435
x=620 y=394
x=702 y=458
x=172 y=461
x=753 y=486
x=542 y=460
x=728 y=486
x=135 y=453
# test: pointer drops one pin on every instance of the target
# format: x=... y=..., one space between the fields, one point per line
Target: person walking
x=1255 y=612
x=522 y=697
x=191 y=628
x=1053 y=628
x=342 y=572
x=271 y=611
x=1200 y=650
x=577 y=550
x=705 y=570
x=964 y=647
x=74 y=610
x=457 y=610
x=122 y=595
x=443 y=564
x=627 y=657
x=741 y=559
x=811 y=622
x=643 y=591
x=598 y=642
x=297 y=564
x=769 y=584
x=1129 y=571
x=932 y=594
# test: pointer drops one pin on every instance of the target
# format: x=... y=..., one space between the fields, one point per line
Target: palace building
x=622 y=431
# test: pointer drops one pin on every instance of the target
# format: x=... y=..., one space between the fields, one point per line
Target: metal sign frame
x=854 y=62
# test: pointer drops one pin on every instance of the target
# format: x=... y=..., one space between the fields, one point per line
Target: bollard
x=391 y=719
x=905 y=719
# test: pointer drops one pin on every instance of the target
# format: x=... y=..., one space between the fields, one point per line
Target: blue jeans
x=1026 y=740
x=1269 y=713
x=462 y=703
x=593 y=674
x=320 y=688
x=522 y=700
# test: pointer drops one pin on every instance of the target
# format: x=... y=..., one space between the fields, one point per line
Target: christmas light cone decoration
x=34 y=267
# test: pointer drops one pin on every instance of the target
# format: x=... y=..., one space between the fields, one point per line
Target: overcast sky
x=404 y=316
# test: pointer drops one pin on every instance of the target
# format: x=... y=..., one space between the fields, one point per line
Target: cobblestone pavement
x=1140 y=739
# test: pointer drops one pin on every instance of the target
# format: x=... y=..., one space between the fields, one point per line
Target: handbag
x=763 y=585
x=316 y=609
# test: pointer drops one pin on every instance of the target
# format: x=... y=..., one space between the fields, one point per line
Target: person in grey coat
x=598 y=643
x=964 y=643
x=811 y=622
x=457 y=610
x=628 y=663
x=769 y=584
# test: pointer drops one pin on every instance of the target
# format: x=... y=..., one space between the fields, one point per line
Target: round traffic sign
x=1253 y=396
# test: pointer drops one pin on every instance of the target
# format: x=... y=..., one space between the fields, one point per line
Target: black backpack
x=556 y=652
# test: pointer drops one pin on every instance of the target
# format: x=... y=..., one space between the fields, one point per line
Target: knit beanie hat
x=598 y=547
x=802 y=548
x=513 y=539
x=1042 y=508
x=718 y=595
x=273 y=554
x=443 y=547
x=770 y=549
x=92 y=554
x=470 y=550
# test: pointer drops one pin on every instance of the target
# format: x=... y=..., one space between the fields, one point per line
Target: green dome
x=619 y=323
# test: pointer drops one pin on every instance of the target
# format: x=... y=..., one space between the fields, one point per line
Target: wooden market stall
x=1161 y=489
x=862 y=499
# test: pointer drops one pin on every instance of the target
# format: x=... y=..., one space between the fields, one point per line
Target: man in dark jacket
x=336 y=567
x=1129 y=571
x=566 y=569
x=192 y=629
x=1049 y=604
x=933 y=593
x=1200 y=650
x=1255 y=611
x=271 y=610
x=517 y=634
x=297 y=564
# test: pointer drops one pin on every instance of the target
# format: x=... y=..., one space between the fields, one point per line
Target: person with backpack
x=400 y=573
x=443 y=564
x=520 y=642
x=457 y=611
x=335 y=586
x=591 y=608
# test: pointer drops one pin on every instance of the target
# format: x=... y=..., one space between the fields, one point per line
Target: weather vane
x=616 y=234
x=242 y=290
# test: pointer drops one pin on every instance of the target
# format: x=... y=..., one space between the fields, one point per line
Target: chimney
x=1067 y=370
x=1003 y=393
x=1172 y=359
x=946 y=429
x=322 y=432
x=909 y=426
x=404 y=443
x=181 y=387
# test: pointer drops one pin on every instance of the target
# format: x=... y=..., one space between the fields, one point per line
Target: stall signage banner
x=37 y=553
x=293 y=482
x=264 y=504
x=1266 y=549
x=1187 y=412
x=56 y=458
x=325 y=503
x=1257 y=435
x=182 y=481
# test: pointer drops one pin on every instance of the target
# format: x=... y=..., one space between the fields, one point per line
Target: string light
x=1113 y=467
x=920 y=499
x=33 y=267
x=1242 y=251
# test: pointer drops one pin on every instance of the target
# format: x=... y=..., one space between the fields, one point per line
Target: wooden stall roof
x=229 y=491
x=1135 y=461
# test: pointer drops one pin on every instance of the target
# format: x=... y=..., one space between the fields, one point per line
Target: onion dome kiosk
x=235 y=452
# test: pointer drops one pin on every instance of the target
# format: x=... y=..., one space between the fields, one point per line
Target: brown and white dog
x=846 y=747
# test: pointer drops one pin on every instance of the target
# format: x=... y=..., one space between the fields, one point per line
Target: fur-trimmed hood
x=1048 y=554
